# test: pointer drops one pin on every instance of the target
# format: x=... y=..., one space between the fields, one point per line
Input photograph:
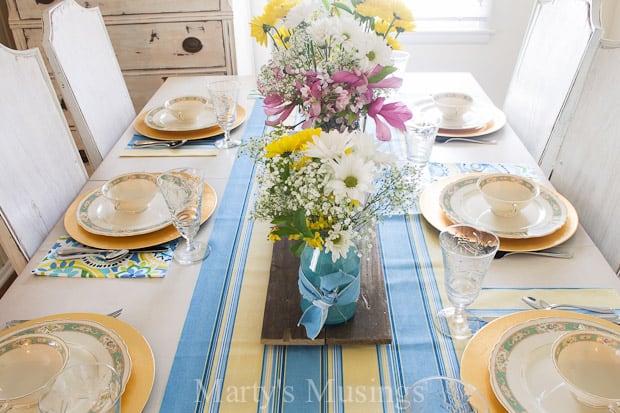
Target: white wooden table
x=157 y=307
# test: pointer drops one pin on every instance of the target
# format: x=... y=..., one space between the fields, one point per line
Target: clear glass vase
x=316 y=264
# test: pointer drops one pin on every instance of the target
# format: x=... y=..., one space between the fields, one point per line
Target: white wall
x=491 y=62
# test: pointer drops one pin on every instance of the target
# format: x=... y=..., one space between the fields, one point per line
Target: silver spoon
x=480 y=141
x=543 y=305
x=166 y=144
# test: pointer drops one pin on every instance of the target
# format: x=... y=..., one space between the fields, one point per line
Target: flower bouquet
x=326 y=191
x=331 y=62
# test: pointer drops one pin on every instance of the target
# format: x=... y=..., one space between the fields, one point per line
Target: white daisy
x=302 y=12
x=366 y=147
x=322 y=30
x=329 y=145
x=338 y=242
x=373 y=51
x=352 y=178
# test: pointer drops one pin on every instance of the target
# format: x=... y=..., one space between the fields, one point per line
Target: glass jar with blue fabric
x=329 y=289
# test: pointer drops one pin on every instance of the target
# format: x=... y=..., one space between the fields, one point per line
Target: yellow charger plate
x=142 y=128
x=432 y=212
x=140 y=383
x=168 y=233
x=475 y=359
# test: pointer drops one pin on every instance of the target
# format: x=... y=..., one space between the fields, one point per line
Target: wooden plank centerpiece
x=370 y=325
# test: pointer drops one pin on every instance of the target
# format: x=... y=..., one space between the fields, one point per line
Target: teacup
x=186 y=109
x=507 y=194
x=453 y=105
x=131 y=192
x=589 y=363
x=27 y=363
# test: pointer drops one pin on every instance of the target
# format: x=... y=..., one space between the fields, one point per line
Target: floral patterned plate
x=88 y=341
x=463 y=203
x=161 y=119
x=97 y=215
x=522 y=374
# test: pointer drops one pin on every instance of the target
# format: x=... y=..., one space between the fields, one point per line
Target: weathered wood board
x=370 y=325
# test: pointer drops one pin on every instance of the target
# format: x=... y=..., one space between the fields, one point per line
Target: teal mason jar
x=316 y=263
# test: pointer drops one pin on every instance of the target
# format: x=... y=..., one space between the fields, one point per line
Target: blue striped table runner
x=220 y=364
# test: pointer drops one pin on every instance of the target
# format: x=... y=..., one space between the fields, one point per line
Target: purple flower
x=396 y=114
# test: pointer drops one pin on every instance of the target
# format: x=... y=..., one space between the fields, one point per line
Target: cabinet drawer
x=162 y=45
x=32 y=9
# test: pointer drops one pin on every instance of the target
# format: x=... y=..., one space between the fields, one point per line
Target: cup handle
x=514 y=209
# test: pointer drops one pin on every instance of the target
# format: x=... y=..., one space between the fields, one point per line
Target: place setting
x=462 y=116
x=130 y=226
x=41 y=359
x=198 y=125
x=526 y=215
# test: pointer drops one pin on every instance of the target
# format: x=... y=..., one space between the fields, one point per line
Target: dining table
x=199 y=326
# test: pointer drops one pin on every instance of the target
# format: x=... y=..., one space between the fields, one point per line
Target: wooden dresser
x=153 y=39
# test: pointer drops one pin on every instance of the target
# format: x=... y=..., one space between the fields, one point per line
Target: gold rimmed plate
x=143 y=129
x=140 y=382
x=165 y=234
x=431 y=210
x=476 y=358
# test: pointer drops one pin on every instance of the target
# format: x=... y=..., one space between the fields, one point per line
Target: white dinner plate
x=475 y=118
x=88 y=342
x=463 y=203
x=522 y=374
x=161 y=119
x=97 y=215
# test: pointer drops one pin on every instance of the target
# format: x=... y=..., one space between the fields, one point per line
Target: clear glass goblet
x=467 y=254
x=224 y=95
x=83 y=387
x=182 y=190
x=439 y=394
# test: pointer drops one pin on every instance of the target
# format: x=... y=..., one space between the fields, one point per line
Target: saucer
x=161 y=119
x=521 y=367
x=97 y=215
x=475 y=118
x=463 y=203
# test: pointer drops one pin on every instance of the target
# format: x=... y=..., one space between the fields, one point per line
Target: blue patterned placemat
x=136 y=264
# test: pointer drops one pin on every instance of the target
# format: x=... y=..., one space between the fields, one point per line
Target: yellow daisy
x=387 y=10
x=259 y=27
x=315 y=242
x=394 y=43
x=278 y=9
x=290 y=143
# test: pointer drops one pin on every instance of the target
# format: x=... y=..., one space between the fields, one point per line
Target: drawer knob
x=192 y=45
x=43 y=1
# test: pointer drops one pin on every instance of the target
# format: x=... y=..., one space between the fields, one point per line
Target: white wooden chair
x=82 y=58
x=555 y=56
x=40 y=166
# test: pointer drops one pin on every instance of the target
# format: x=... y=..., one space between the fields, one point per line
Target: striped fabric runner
x=220 y=364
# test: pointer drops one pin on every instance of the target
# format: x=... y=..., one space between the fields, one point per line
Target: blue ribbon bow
x=337 y=288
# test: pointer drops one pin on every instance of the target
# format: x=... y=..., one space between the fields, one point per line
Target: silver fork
x=12 y=323
x=480 y=141
x=166 y=144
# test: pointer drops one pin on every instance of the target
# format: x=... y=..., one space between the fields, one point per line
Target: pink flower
x=396 y=114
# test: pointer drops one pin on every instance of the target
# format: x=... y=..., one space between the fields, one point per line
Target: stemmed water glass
x=467 y=254
x=224 y=95
x=182 y=190
x=439 y=394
